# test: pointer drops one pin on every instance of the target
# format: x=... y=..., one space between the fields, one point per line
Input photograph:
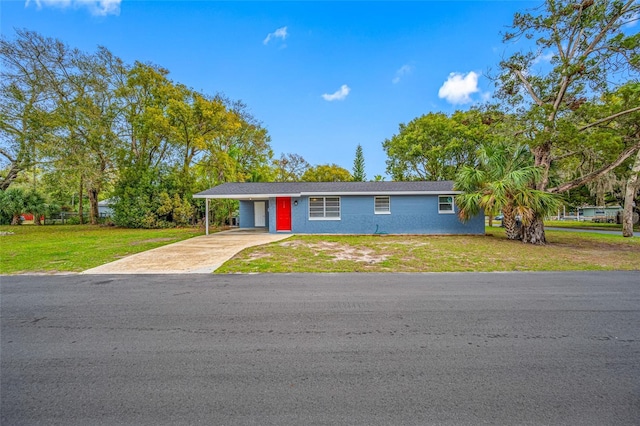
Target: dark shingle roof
x=264 y=189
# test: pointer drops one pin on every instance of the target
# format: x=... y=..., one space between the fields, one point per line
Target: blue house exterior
x=247 y=214
x=348 y=207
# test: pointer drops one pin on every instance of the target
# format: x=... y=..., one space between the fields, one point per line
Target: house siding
x=410 y=214
x=247 y=213
x=591 y=211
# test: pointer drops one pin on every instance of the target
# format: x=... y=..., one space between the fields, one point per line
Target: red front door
x=283 y=214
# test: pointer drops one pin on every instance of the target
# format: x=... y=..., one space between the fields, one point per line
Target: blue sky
x=322 y=77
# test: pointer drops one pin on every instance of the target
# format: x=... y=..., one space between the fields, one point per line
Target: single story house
x=105 y=207
x=347 y=207
x=599 y=214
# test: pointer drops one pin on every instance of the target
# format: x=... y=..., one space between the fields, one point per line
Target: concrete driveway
x=196 y=255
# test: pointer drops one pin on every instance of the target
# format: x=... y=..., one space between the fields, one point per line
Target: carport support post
x=206 y=216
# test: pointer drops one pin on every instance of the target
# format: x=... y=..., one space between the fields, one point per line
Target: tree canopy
x=435 y=146
x=92 y=124
x=326 y=173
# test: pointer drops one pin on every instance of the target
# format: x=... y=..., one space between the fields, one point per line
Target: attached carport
x=254 y=210
x=269 y=209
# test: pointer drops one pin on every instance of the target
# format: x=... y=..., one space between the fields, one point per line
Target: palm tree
x=12 y=203
x=503 y=181
x=36 y=205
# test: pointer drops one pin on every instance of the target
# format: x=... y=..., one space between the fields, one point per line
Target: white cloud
x=458 y=88
x=339 y=95
x=404 y=70
x=279 y=33
x=95 y=7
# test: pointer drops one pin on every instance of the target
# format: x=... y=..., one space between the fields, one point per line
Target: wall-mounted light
x=295 y=203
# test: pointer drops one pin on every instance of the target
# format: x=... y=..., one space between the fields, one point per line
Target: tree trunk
x=36 y=219
x=80 y=203
x=629 y=196
x=15 y=220
x=533 y=233
x=511 y=227
x=542 y=157
x=12 y=174
x=93 y=206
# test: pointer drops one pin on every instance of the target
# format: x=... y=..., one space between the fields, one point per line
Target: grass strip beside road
x=75 y=248
x=586 y=225
x=412 y=253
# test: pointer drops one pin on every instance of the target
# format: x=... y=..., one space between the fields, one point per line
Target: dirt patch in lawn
x=335 y=251
x=257 y=256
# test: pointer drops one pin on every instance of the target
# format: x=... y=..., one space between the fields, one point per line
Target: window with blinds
x=324 y=208
x=382 y=205
x=445 y=204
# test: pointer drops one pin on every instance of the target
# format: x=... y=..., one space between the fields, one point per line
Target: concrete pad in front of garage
x=202 y=254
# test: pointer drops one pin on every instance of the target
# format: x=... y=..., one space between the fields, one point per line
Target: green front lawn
x=48 y=249
x=580 y=225
x=410 y=253
x=585 y=225
x=74 y=248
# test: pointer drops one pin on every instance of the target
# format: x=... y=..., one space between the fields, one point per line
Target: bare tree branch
x=563 y=156
x=609 y=118
x=12 y=174
x=6 y=154
x=528 y=86
x=597 y=173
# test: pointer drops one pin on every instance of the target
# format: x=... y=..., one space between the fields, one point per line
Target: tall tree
x=242 y=151
x=196 y=123
x=58 y=111
x=591 y=52
x=604 y=141
x=290 y=168
x=631 y=191
x=326 y=173
x=85 y=144
x=145 y=126
x=358 y=166
x=146 y=147
x=26 y=102
x=435 y=146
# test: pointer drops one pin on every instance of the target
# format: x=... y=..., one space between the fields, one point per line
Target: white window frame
x=453 y=204
x=324 y=208
x=375 y=206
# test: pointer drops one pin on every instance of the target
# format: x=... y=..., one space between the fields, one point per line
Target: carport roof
x=247 y=190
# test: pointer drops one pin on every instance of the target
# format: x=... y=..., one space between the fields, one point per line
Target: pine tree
x=358 y=166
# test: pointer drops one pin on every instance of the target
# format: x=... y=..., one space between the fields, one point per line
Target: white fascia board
x=324 y=193
x=383 y=193
x=246 y=196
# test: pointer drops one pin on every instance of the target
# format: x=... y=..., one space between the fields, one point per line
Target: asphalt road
x=293 y=349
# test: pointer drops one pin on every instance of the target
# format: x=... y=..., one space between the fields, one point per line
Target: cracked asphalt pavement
x=291 y=349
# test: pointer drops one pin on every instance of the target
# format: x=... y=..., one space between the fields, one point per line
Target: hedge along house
x=347 y=207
